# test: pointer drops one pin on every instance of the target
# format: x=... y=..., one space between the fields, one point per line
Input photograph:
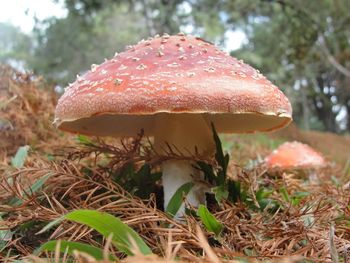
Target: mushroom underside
x=126 y=125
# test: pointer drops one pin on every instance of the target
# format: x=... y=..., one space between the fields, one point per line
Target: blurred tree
x=15 y=46
x=159 y=16
x=67 y=46
x=304 y=47
x=96 y=29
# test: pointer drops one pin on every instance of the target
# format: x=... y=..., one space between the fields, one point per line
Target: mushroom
x=173 y=87
x=295 y=156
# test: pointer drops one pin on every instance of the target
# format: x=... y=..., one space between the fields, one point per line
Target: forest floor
x=266 y=217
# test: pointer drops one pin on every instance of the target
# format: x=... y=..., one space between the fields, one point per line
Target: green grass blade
x=32 y=189
x=107 y=224
x=177 y=199
x=5 y=237
x=84 y=140
x=20 y=157
x=219 y=154
x=51 y=224
x=69 y=247
x=221 y=158
x=208 y=171
x=220 y=192
x=234 y=191
x=209 y=220
x=285 y=194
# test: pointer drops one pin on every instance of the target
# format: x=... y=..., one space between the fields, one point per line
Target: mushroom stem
x=186 y=133
x=314 y=177
x=175 y=174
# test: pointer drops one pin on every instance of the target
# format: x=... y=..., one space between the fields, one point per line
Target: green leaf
x=177 y=199
x=83 y=140
x=219 y=155
x=262 y=197
x=51 y=224
x=226 y=161
x=69 y=247
x=335 y=181
x=285 y=194
x=234 y=191
x=145 y=181
x=220 y=192
x=5 y=237
x=107 y=224
x=20 y=157
x=209 y=220
x=125 y=177
x=208 y=171
x=156 y=176
x=32 y=189
x=262 y=193
x=221 y=158
x=298 y=196
x=143 y=173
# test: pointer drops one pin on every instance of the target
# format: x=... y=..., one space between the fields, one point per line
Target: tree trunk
x=325 y=111
x=347 y=105
x=306 y=110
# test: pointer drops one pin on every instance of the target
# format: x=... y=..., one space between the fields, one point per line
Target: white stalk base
x=184 y=132
x=177 y=173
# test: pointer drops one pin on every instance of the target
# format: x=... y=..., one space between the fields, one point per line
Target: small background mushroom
x=298 y=157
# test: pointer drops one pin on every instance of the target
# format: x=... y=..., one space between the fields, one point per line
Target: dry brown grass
x=27 y=105
x=299 y=229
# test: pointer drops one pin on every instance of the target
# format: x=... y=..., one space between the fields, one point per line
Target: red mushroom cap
x=171 y=74
x=294 y=155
